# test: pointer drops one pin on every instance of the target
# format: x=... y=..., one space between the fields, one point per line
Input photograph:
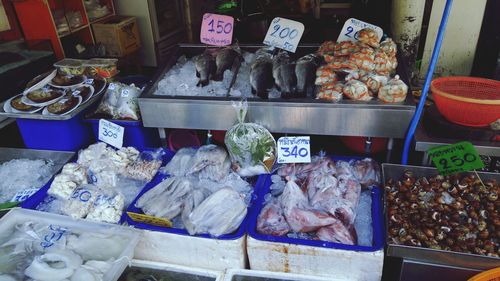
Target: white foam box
x=18 y=216
x=178 y=272
x=192 y=251
x=309 y=260
x=255 y=275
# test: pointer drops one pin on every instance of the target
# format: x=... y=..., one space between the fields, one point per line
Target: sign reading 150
x=221 y=27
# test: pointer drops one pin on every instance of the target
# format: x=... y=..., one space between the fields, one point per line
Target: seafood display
x=23 y=177
x=40 y=251
x=119 y=102
x=251 y=146
x=201 y=194
x=456 y=213
x=101 y=183
x=214 y=69
x=318 y=201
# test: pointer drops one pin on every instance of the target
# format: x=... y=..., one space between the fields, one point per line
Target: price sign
x=217 y=30
x=23 y=194
x=111 y=133
x=455 y=158
x=111 y=86
x=284 y=34
x=294 y=150
x=89 y=81
x=351 y=28
x=149 y=219
x=125 y=93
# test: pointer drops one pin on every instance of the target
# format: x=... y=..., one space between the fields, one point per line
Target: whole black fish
x=305 y=70
x=261 y=77
x=287 y=80
x=281 y=58
x=224 y=60
x=205 y=67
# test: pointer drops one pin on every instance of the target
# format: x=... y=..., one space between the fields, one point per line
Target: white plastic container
x=17 y=216
x=254 y=275
x=176 y=272
x=308 y=260
x=192 y=251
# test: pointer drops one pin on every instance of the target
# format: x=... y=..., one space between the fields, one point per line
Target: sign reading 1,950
x=294 y=150
x=455 y=158
x=284 y=34
x=111 y=133
x=217 y=30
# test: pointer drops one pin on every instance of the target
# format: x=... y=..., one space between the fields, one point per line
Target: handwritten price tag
x=217 y=30
x=284 y=34
x=23 y=194
x=455 y=158
x=294 y=150
x=111 y=133
x=149 y=219
x=351 y=28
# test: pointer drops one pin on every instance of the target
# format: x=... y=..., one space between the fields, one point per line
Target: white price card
x=284 y=34
x=111 y=86
x=352 y=27
x=294 y=150
x=89 y=81
x=111 y=133
x=23 y=195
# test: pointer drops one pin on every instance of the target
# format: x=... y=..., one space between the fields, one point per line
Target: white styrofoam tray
x=18 y=215
x=178 y=272
x=254 y=275
x=309 y=260
x=192 y=251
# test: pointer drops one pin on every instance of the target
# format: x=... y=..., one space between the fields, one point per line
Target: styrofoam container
x=255 y=275
x=17 y=215
x=176 y=272
x=315 y=257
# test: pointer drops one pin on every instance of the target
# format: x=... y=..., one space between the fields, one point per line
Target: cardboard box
x=119 y=34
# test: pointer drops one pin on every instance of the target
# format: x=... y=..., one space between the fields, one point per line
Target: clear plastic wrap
x=357 y=90
x=345 y=48
x=251 y=146
x=107 y=208
x=362 y=61
x=366 y=171
x=369 y=36
x=389 y=47
x=374 y=82
x=331 y=92
x=120 y=102
x=383 y=63
x=180 y=163
x=325 y=75
x=210 y=162
x=394 y=91
x=81 y=201
x=191 y=202
x=221 y=213
x=342 y=63
x=145 y=166
x=271 y=220
x=327 y=47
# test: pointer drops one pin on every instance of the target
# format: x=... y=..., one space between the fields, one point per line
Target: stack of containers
x=315 y=257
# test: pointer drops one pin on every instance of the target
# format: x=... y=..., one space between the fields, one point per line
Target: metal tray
x=295 y=116
x=59 y=157
x=441 y=257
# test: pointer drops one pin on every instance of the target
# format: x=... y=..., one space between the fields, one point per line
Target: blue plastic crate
x=39 y=196
x=377 y=221
x=134 y=135
x=63 y=135
x=159 y=178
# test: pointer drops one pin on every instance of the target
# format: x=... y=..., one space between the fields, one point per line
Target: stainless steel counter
x=296 y=116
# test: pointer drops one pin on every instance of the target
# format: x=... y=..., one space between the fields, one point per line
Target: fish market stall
x=458 y=236
x=25 y=171
x=179 y=104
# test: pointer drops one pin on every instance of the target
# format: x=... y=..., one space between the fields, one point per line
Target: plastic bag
x=191 y=202
x=109 y=103
x=107 y=208
x=331 y=92
x=80 y=202
x=342 y=63
x=210 y=162
x=362 y=61
x=128 y=105
x=356 y=90
x=180 y=163
x=374 y=82
x=221 y=213
x=251 y=147
x=345 y=48
x=328 y=47
x=325 y=75
x=383 y=64
x=369 y=36
x=394 y=91
x=389 y=47
x=271 y=220
x=146 y=165
x=366 y=171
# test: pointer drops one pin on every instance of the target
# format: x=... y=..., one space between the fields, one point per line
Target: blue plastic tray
x=377 y=221
x=39 y=196
x=160 y=177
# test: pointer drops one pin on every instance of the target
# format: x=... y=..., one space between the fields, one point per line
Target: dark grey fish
x=305 y=70
x=261 y=77
x=281 y=58
x=287 y=80
x=224 y=60
x=205 y=67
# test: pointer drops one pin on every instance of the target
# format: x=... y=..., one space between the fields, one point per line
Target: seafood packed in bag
x=319 y=201
x=251 y=146
x=201 y=195
x=394 y=91
x=120 y=102
x=101 y=182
